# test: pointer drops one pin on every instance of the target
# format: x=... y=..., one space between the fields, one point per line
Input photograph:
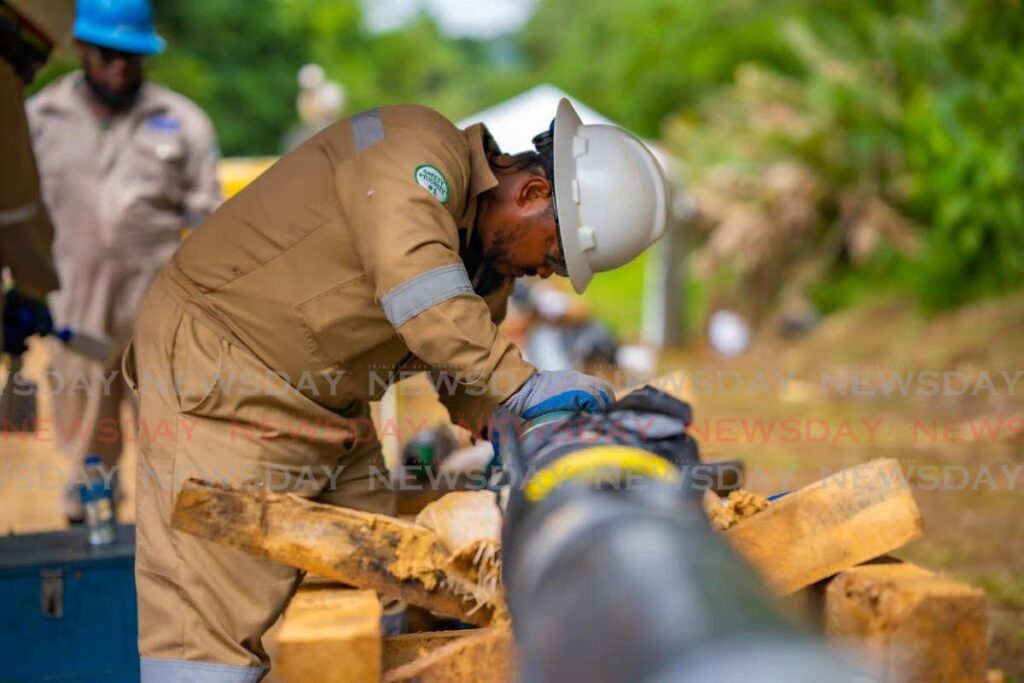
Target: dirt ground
x=858 y=388
x=796 y=410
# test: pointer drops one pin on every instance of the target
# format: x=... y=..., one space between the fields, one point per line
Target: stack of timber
x=916 y=625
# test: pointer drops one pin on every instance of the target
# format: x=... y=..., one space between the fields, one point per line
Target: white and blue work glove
x=560 y=391
x=552 y=391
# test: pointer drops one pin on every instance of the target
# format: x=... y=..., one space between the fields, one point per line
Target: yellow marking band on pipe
x=597 y=463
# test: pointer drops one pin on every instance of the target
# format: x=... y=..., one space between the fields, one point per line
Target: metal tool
x=18 y=404
x=96 y=346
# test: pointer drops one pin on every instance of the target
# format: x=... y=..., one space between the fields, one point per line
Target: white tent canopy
x=514 y=122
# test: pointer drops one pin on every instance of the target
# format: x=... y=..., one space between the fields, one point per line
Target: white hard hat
x=52 y=17
x=610 y=196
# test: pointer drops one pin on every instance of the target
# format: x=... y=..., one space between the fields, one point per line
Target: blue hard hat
x=125 y=25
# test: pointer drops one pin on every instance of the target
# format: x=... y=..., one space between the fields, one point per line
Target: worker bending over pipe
x=388 y=242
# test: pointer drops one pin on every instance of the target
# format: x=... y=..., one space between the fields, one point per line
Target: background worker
x=125 y=166
x=29 y=30
x=388 y=242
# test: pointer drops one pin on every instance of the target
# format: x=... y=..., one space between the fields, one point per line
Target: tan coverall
x=120 y=194
x=349 y=259
x=25 y=230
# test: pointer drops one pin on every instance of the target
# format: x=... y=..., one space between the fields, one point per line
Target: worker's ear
x=534 y=189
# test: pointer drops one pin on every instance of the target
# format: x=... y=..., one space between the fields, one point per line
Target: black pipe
x=623 y=580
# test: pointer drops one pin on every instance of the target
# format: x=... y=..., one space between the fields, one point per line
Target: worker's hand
x=24 y=317
x=549 y=392
x=561 y=390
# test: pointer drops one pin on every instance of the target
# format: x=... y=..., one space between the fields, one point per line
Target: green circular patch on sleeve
x=433 y=181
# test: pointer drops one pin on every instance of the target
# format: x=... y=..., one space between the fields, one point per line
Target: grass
x=617 y=298
x=1008 y=590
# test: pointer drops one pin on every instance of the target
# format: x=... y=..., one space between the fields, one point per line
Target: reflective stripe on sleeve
x=416 y=295
x=19 y=214
x=367 y=129
x=184 y=671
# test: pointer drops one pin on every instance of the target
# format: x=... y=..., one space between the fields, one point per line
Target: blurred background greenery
x=835 y=149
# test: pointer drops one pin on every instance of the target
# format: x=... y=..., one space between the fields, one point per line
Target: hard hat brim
x=125 y=40
x=567 y=123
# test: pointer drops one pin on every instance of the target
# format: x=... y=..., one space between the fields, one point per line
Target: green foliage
x=238 y=61
x=964 y=147
x=616 y=297
x=847 y=285
x=638 y=61
x=915 y=102
x=933 y=118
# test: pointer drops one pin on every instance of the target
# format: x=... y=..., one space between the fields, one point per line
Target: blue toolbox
x=67 y=609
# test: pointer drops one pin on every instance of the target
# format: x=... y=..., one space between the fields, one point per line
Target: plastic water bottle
x=98 y=504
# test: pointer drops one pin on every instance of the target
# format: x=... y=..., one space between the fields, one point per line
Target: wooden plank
x=330 y=635
x=408 y=647
x=915 y=626
x=386 y=554
x=831 y=525
x=486 y=656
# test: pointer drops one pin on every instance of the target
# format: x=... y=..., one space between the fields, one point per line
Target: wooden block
x=330 y=635
x=408 y=647
x=391 y=556
x=831 y=525
x=484 y=656
x=916 y=626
